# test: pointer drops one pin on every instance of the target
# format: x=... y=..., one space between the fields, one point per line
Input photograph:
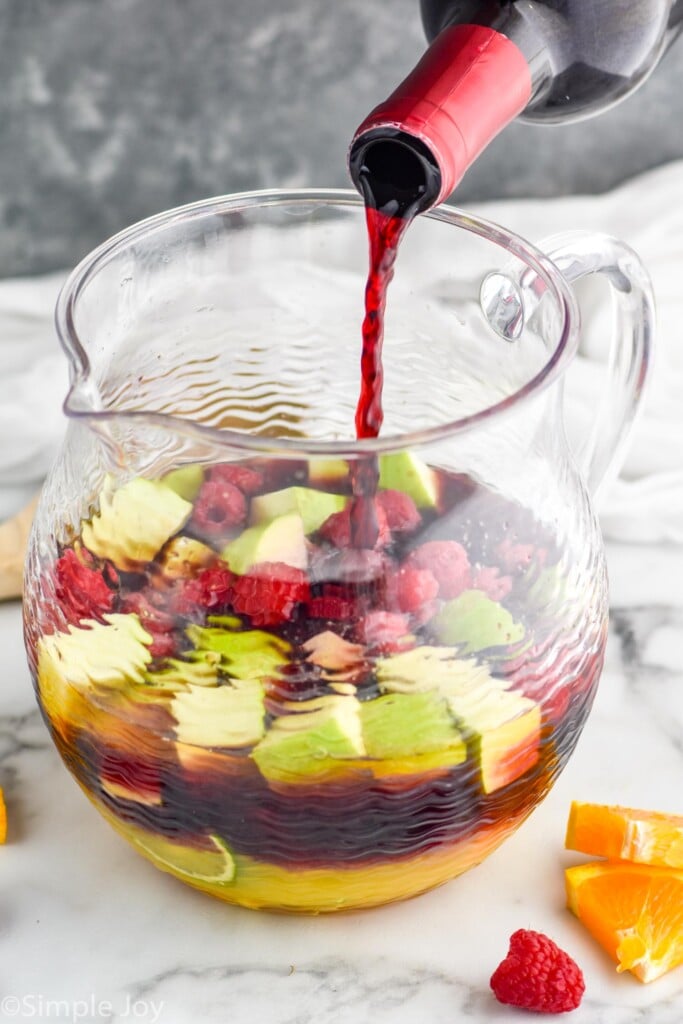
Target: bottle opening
x=394 y=171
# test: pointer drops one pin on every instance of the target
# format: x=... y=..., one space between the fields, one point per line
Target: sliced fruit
x=110 y=655
x=200 y=669
x=400 y=725
x=270 y=593
x=635 y=911
x=447 y=561
x=504 y=730
x=433 y=668
x=212 y=864
x=253 y=654
x=134 y=522
x=280 y=540
x=313 y=506
x=326 y=888
x=221 y=716
x=622 y=833
x=3 y=818
x=330 y=651
x=183 y=557
x=185 y=481
x=474 y=622
x=304 y=745
x=404 y=471
x=501 y=727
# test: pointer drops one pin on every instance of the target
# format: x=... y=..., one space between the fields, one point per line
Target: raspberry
x=488 y=579
x=210 y=590
x=82 y=592
x=385 y=632
x=247 y=480
x=337 y=528
x=515 y=557
x=537 y=975
x=412 y=589
x=270 y=592
x=447 y=561
x=219 y=506
x=158 y=623
x=400 y=510
x=333 y=608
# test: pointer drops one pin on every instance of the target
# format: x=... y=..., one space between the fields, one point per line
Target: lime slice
x=207 y=865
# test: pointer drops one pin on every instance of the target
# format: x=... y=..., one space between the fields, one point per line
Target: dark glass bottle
x=545 y=61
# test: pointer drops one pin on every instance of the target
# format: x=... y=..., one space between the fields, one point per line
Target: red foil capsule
x=470 y=83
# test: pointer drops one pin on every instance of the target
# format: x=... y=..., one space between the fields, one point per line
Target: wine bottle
x=544 y=61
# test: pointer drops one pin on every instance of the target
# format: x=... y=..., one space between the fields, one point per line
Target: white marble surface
x=90 y=932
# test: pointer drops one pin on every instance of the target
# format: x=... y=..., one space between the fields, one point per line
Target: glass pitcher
x=266 y=701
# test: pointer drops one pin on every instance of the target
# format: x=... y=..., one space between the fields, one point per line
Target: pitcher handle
x=580 y=254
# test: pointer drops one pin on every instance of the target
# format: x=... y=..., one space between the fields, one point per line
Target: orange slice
x=3 y=818
x=621 y=833
x=635 y=911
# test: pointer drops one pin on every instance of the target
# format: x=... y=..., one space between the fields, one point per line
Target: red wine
x=384 y=235
x=386 y=227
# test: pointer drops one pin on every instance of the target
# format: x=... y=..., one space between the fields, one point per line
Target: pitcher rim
x=76 y=406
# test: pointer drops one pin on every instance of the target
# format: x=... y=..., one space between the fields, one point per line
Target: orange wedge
x=635 y=911
x=621 y=833
x=3 y=818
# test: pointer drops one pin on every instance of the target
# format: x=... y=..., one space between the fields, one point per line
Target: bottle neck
x=414 y=148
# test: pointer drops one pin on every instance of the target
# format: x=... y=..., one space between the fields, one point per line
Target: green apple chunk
x=201 y=669
x=280 y=540
x=504 y=729
x=185 y=481
x=501 y=727
x=220 y=716
x=307 y=744
x=426 y=669
x=409 y=724
x=109 y=656
x=404 y=471
x=474 y=622
x=313 y=506
x=253 y=654
x=112 y=654
x=134 y=522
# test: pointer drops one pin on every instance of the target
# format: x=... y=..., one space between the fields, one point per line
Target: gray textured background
x=111 y=110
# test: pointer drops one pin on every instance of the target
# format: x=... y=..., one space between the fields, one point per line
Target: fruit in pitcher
x=244 y=654
x=313 y=506
x=282 y=539
x=473 y=622
x=400 y=725
x=406 y=472
x=310 y=743
x=500 y=726
x=221 y=716
x=134 y=522
x=185 y=481
x=285 y=719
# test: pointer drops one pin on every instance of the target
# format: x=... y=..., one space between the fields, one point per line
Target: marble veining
x=91 y=932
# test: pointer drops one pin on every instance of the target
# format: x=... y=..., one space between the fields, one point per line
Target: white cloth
x=645 y=503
